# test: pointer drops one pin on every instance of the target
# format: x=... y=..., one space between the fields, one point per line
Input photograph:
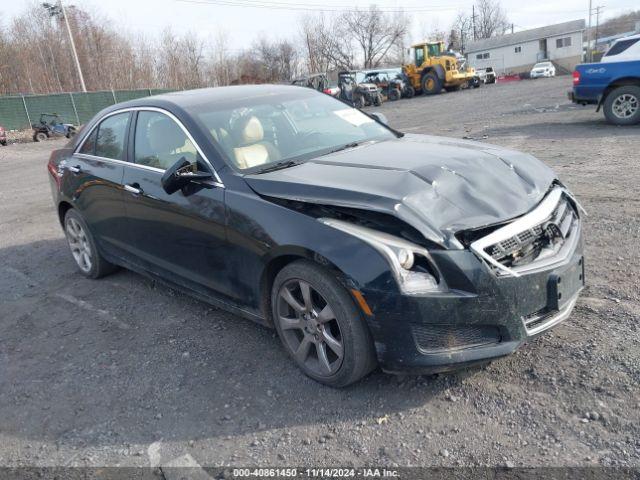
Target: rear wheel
x=320 y=326
x=409 y=92
x=359 y=102
x=377 y=100
x=83 y=247
x=40 y=137
x=394 y=95
x=431 y=84
x=622 y=105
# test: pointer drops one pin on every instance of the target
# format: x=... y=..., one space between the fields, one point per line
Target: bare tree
x=326 y=44
x=491 y=19
x=374 y=32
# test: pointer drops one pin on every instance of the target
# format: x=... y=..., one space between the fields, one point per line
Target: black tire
x=346 y=324
x=98 y=266
x=70 y=132
x=377 y=100
x=453 y=88
x=431 y=84
x=359 y=102
x=614 y=105
x=409 y=92
x=40 y=137
x=3 y=143
x=394 y=95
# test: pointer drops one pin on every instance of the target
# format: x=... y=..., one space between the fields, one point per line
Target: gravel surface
x=124 y=371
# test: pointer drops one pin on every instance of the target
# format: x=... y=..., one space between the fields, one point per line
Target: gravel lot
x=123 y=371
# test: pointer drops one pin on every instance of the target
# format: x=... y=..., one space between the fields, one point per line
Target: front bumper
x=486 y=317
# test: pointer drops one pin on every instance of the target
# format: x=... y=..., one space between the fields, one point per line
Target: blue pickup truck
x=613 y=84
x=614 y=87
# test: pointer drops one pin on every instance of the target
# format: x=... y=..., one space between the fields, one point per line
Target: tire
x=70 y=133
x=359 y=102
x=454 y=88
x=3 y=143
x=409 y=92
x=83 y=247
x=377 y=100
x=394 y=95
x=341 y=328
x=40 y=137
x=622 y=105
x=431 y=84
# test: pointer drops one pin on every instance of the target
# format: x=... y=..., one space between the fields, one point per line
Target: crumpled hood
x=437 y=185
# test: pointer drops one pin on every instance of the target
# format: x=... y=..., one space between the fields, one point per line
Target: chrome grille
x=525 y=246
x=540 y=239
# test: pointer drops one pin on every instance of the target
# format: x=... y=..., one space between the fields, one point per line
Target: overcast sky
x=281 y=17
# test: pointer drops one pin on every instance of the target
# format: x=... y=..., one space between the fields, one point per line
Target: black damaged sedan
x=362 y=246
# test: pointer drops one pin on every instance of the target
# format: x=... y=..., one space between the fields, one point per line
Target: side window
x=620 y=46
x=89 y=145
x=160 y=142
x=112 y=132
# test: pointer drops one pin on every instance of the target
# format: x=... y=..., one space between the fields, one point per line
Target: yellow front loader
x=433 y=69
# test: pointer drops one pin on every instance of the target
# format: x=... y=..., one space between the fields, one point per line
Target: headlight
x=411 y=264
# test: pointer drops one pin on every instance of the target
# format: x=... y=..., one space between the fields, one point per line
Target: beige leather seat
x=252 y=150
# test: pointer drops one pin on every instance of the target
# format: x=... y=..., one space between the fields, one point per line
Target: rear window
x=620 y=46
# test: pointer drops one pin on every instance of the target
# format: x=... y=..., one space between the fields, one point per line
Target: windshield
x=257 y=132
x=542 y=65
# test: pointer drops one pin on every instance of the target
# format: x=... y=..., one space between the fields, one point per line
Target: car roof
x=189 y=98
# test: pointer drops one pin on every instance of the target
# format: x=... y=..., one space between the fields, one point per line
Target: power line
x=316 y=7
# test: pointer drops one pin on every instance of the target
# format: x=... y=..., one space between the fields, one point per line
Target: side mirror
x=381 y=117
x=181 y=174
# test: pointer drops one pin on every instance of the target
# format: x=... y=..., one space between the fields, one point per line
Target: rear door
x=94 y=174
x=179 y=236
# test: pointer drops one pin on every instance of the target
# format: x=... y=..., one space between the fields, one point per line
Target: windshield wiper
x=344 y=147
x=278 y=166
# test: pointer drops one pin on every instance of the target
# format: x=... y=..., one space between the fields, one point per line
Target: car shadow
x=125 y=359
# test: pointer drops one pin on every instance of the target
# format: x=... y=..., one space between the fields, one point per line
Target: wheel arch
x=280 y=259
x=619 y=82
x=63 y=208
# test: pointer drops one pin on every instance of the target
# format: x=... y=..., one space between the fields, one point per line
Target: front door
x=181 y=236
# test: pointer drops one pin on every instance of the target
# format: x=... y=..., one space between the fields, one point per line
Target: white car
x=543 y=69
x=625 y=49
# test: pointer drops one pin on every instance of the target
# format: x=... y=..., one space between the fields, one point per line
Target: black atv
x=359 y=95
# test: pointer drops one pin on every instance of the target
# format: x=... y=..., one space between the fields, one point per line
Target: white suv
x=623 y=50
x=543 y=69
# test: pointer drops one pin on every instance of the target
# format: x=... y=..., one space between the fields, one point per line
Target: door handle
x=134 y=188
x=75 y=169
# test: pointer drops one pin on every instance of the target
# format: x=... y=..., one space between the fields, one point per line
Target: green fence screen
x=20 y=111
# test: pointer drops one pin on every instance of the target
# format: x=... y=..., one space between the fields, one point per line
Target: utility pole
x=59 y=10
x=598 y=10
x=473 y=21
x=589 y=51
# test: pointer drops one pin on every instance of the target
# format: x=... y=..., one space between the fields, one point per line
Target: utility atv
x=359 y=95
x=389 y=86
x=51 y=125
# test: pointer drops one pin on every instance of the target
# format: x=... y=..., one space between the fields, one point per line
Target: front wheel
x=409 y=92
x=431 y=84
x=320 y=326
x=377 y=100
x=622 y=106
x=83 y=247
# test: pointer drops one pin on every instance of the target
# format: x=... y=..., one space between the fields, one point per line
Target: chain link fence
x=20 y=111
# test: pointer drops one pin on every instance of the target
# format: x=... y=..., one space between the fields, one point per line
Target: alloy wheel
x=625 y=105
x=310 y=328
x=79 y=244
